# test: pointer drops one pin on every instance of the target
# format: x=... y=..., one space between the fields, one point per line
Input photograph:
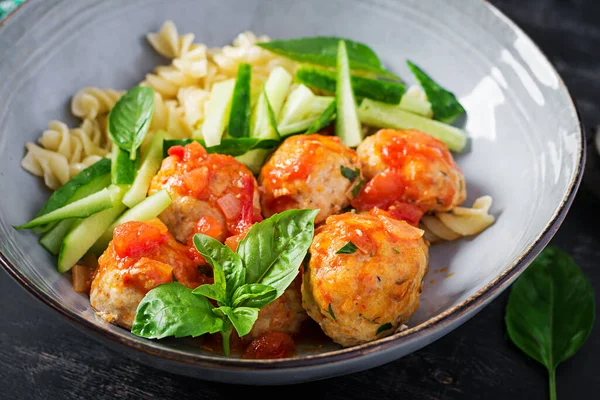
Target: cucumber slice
x=88 y=181
x=149 y=208
x=320 y=104
x=416 y=105
x=383 y=115
x=347 y=125
x=254 y=159
x=296 y=107
x=297 y=127
x=277 y=87
x=217 y=112
x=385 y=91
x=151 y=161
x=53 y=239
x=85 y=207
x=86 y=232
x=239 y=117
x=264 y=123
x=123 y=167
x=324 y=120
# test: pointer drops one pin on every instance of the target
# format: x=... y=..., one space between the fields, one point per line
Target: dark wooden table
x=42 y=357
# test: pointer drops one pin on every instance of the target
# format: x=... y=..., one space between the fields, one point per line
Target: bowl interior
x=525 y=137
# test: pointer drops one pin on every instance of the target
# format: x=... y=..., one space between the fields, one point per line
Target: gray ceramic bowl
x=527 y=147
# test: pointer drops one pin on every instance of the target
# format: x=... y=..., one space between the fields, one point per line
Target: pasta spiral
x=90 y=103
x=167 y=41
x=63 y=153
x=459 y=222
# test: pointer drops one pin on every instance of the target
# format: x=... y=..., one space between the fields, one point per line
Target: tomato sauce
x=148 y=256
x=271 y=345
x=218 y=179
x=402 y=188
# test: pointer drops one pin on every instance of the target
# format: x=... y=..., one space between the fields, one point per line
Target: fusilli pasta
x=63 y=153
x=91 y=102
x=167 y=41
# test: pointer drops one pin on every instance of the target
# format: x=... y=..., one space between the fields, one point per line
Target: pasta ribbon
x=459 y=222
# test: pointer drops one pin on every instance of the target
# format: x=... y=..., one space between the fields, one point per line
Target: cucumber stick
x=263 y=121
x=383 y=115
x=324 y=120
x=85 y=207
x=239 y=116
x=149 y=208
x=416 y=105
x=347 y=126
x=254 y=159
x=320 y=104
x=296 y=107
x=53 y=239
x=385 y=91
x=86 y=232
x=277 y=87
x=297 y=127
x=123 y=167
x=151 y=161
x=89 y=181
x=272 y=96
x=217 y=112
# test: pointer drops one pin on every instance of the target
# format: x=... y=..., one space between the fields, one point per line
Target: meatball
x=212 y=194
x=306 y=172
x=364 y=276
x=408 y=171
x=141 y=256
x=283 y=315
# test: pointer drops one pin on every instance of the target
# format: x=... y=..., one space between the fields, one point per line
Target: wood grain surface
x=42 y=357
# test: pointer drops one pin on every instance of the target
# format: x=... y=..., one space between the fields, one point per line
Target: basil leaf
x=446 y=108
x=321 y=50
x=212 y=291
x=383 y=328
x=254 y=295
x=349 y=248
x=228 y=146
x=331 y=312
x=228 y=270
x=129 y=119
x=172 y=310
x=359 y=185
x=550 y=311
x=349 y=173
x=273 y=249
x=242 y=318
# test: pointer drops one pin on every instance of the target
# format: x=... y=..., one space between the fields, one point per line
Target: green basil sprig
x=130 y=118
x=551 y=310
x=446 y=108
x=321 y=50
x=266 y=262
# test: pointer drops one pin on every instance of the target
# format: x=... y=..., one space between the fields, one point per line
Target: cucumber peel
x=123 y=167
x=239 y=116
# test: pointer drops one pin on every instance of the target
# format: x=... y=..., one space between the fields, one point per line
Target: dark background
x=42 y=357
